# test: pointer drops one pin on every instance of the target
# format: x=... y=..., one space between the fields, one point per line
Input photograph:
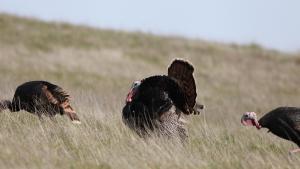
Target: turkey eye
x=247 y=116
x=134 y=85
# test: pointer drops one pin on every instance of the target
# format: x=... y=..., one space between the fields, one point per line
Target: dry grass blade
x=98 y=66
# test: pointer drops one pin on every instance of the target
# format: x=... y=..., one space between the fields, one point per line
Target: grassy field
x=97 y=67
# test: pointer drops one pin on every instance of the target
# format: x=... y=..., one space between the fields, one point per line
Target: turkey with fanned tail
x=155 y=104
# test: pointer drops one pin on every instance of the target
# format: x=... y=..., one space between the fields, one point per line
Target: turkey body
x=31 y=97
x=42 y=97
x=155 y=104
x=152 y=108
x=284 y=122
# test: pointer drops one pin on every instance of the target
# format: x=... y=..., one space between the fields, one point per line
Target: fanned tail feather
x=182 y=72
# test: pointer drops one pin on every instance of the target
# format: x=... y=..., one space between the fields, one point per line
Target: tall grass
x=97 y=67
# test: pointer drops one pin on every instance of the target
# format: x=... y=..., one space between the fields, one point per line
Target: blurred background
x=271 y=23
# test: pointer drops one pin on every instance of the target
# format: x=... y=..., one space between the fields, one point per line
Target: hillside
x=98 y=66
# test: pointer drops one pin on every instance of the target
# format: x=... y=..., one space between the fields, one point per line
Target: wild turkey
x=41 y=97
x=155 y=104
x=284 y=122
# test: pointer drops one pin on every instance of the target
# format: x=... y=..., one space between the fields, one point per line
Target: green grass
x=98 y=66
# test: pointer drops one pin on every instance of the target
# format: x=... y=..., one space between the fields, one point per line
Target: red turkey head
x=250 y=119
x=132 y=91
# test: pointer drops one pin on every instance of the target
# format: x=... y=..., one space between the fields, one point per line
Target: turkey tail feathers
x=4 y=104
x=182 y=71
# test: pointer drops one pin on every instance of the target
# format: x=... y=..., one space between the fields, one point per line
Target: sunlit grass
x=98 y=66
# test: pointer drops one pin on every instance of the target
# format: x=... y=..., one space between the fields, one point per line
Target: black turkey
x=41 y=97
x=284 y=122
x=155 y=104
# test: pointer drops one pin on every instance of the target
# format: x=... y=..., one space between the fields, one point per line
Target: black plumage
x=160 y=92
x=41 y=97
x=154 y=96
x=156 y=103
x=283 y=122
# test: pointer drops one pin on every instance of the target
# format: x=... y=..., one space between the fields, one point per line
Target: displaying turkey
x=41 y=97
x=283 y=122
x=155 y=104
